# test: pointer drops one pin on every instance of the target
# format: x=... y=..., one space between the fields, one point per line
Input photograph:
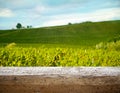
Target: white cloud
x=40 y=8
x=99 y=15
x=105 y=14
x=6 y=12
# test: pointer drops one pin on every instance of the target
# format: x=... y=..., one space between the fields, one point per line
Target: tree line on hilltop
x=19 y=26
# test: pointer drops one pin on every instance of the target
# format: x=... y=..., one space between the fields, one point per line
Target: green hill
x=84 y=44
x=83 y=34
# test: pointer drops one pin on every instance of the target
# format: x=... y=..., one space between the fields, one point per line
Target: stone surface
x=82 y=71
x=59 y=80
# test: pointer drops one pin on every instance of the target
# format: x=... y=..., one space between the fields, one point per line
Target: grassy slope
x=84 y=34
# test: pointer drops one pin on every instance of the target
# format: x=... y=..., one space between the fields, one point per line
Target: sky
x=42 y=13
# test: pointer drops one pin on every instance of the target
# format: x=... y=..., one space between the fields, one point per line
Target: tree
x=69 y=23
x=18 y=26
x=29 y=26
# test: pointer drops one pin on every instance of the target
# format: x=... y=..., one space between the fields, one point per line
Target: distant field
x=84 y=44
x=83 y=34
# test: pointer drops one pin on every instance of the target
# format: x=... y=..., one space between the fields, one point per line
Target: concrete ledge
x=59 y=80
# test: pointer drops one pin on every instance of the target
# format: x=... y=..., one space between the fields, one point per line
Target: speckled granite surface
x=81 y=71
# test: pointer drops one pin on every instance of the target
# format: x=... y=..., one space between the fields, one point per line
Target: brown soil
x=42 y=84
x=60 y=89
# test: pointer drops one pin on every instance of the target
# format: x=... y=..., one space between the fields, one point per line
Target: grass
x=83 y=34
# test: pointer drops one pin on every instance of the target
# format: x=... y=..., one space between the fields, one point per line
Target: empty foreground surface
x=59 y=80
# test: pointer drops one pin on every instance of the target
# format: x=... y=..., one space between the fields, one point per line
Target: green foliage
x=11 y=45
x=29 y=26
x=70 y=45
x=116 y=38
x=18 y=26
x=114 y=46
x=69 y=23
x=109 y=46
x=43 y=56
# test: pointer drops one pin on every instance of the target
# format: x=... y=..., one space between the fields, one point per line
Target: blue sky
x=40 y=13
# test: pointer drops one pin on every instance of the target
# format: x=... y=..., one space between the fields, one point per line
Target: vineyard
x=84 y=44
x=102 y=55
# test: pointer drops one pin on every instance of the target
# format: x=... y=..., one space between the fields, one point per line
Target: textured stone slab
x=81 y=71
x=59 y=80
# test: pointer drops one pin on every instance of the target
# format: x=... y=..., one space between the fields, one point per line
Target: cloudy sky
x=40 y=13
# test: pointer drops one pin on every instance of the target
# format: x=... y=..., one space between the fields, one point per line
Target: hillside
x=70 y=45
x=84 y=34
